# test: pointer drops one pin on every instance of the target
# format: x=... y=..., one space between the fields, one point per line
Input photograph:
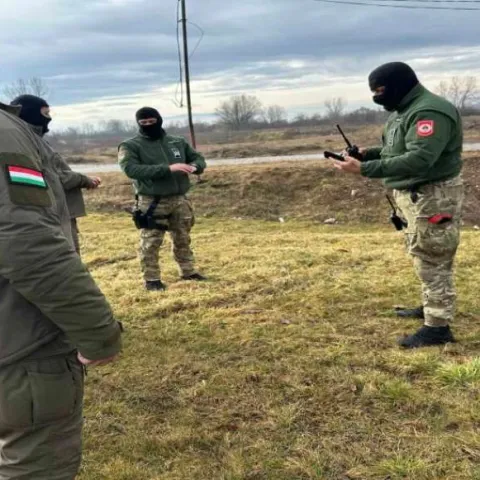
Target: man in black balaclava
x=391 y=83
x=150 y=123
x=160 y=165
x=420 y=159
x=36 y=112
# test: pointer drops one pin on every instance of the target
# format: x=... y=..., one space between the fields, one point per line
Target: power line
x=410 y=7
x=180 y=82
x=202 y=34
x=187 y=72
x=436 y=1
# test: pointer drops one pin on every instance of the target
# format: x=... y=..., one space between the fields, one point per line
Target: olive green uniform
x=72 y=183
x=50 y=308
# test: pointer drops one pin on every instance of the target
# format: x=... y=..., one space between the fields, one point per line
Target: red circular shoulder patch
x=425 y=128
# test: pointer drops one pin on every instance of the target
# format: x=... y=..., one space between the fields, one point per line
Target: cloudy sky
x=104 y=59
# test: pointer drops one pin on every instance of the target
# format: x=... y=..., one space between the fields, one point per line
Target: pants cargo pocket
x=189 y=214
x=15 y=398
x=437 y=240
x=54 y=396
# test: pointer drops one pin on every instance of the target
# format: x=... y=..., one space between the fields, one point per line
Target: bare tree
x=462 y=92
x=239 y=111
x=335 y=108
x=33 y=86
x=88 y=130
x=275 y=114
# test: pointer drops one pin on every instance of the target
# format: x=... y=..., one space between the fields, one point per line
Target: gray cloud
x=108 y=48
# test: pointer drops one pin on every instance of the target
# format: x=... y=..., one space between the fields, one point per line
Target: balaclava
x=31 y=111
x=154 y=131
x=397 y=78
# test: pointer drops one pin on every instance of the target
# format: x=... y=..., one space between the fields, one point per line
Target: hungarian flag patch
x=26 y=176
x=425 y=128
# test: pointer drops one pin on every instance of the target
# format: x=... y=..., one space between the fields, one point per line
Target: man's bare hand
x=94 y=363
x=95 y=182
x=350 y=165
x=182 y=167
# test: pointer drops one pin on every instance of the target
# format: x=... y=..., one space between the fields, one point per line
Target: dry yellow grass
x=284 y=364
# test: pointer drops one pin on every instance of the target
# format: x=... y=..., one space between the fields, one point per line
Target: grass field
x=284 y=364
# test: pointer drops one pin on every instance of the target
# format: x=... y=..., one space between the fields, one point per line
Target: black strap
x=394 y=209
x=151 y=209
x=152 y=206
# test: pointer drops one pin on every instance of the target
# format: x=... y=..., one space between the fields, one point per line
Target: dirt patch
x=311 y=190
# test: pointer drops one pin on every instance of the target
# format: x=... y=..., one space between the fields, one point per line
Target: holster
x=147 y=220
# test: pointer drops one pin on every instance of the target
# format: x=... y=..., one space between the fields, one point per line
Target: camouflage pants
x=180 y=222
x=433 y=246
x=41 y=419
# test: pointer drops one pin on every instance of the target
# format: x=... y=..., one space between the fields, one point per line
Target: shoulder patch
x=25 y=176
x=25 y=182
x=425 y=128
x=122 y=153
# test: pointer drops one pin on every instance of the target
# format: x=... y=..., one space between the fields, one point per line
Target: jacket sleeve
x=131 y=165
x=39 y=263
x=427 y=136
x=372 y=154
x=70 y=180
x=195 y=158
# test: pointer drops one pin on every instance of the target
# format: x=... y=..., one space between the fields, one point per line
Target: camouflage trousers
x=180 y=221
x=41 y=419
x=433 y=245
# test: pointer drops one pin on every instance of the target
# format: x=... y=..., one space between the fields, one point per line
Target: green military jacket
x=422 y=143
x=72 y=182
x=49 y=304
x=148 y=161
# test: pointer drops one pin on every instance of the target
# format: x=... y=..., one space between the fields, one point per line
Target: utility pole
x=187 y=72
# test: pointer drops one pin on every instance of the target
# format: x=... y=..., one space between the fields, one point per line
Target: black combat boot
x=194 y=276
x=410 y=313
x=428 y=336
x=155 y=285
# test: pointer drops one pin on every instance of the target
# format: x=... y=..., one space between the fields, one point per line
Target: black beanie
x=398 y=79
x=31 y=111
